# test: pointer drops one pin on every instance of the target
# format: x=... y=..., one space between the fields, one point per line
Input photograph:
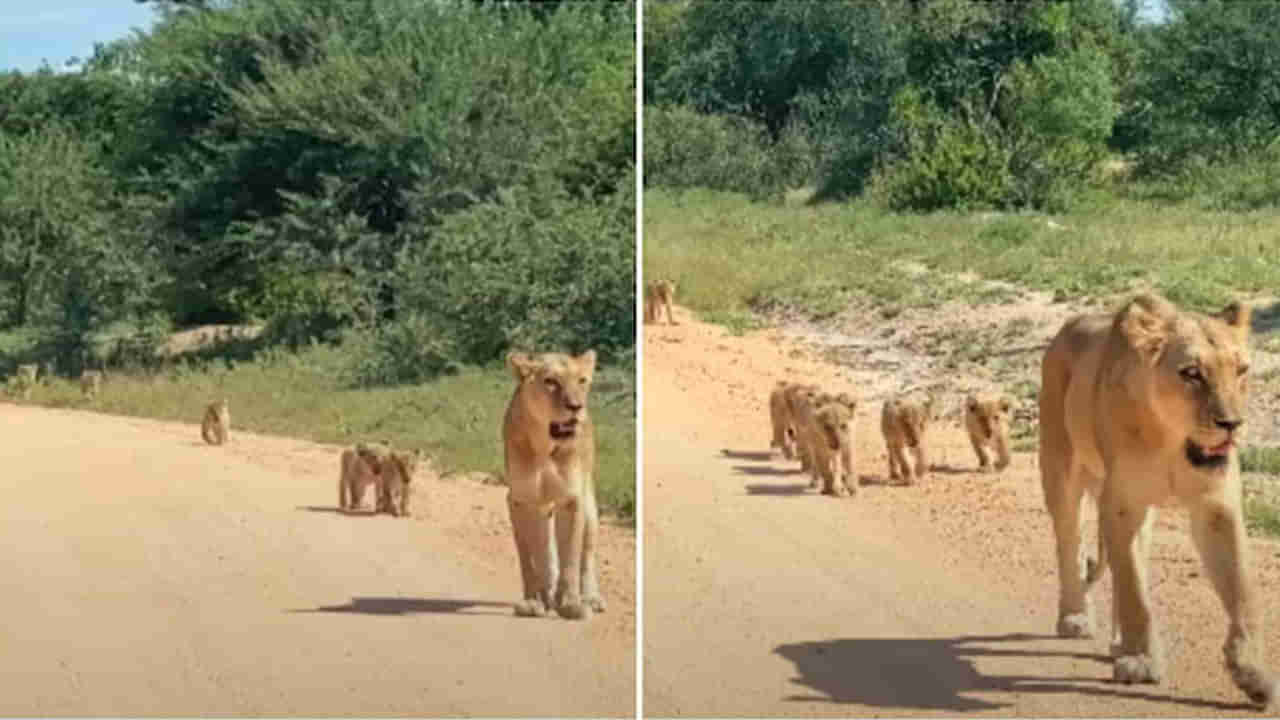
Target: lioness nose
x=1228 y=425
x=574 y=406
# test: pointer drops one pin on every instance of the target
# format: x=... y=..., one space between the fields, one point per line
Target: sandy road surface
x=148 y=574
x=763 y=598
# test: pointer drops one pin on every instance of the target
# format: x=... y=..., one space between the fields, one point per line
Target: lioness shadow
x=939 y=674
x=777 y=488
x=412 y=606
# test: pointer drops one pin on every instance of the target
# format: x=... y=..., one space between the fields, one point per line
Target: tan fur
x=90 y=383
x=803 y=403
x=390 y=471
x=833 y=446
x=1137 y=408
x=549 y=450
x=659 y=295
x=784 y=432
x=904 y=422
x=215 y=428
x=986 y=418
x=24 y=380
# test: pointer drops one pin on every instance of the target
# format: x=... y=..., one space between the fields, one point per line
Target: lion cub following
x=800 y=404
x=90 y=383
x=658 y=295
x=986 y=417
x=832 y=445
x=784 y=432
x=549 y=452
x=389 y=470
x=1136 y=408
x=215 y=428
x=904 y=421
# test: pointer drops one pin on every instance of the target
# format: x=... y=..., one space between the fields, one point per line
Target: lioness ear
x=1237 y=315
x=588 y=360
x=1145 y=322
x=520 y=364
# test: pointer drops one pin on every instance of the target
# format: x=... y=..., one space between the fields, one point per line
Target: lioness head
x=1191 y=370
x=554 y=388
x=989 y=411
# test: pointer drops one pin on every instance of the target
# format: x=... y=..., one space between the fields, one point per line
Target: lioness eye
x=582 y=381
x=1243 y=369
x=1191 y=374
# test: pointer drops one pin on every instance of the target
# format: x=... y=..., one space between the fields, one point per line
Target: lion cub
x=390 y=471
x=90 y=383
x=24 y=380
x=216 y=426
x=986 y=417
x=784 y=433
x=658 y=295
x=801 y=401
x=904 y=422
x=832 y=445
x=549 y=450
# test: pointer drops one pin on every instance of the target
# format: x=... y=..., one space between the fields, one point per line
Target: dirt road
x=148 y=574
x=763 y=598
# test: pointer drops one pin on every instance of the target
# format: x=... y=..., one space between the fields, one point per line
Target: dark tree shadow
x=413 y=606
x=758 y=455
x=764 y=470
x=939 y=674
x=777 y=488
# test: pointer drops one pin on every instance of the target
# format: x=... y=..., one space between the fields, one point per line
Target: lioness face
x=560 y=384
x=1202 y=386
x=990 y=413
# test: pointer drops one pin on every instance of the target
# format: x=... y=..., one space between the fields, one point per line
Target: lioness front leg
x=1128 y=526
x=1218 y=530
x=531 y=530
x=591 y=596
x=571 y=525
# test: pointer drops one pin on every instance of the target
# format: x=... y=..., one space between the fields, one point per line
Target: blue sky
x=35 y=30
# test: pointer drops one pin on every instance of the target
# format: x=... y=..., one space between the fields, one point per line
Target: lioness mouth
x=1212 y=457
x=562 y=430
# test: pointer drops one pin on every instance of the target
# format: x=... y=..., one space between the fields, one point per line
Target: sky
x=32 y=31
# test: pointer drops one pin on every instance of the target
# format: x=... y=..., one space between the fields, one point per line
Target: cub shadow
x=778 y=489
x=946 y=469
x=413 y=606
x=361 y=512
x=765 y=470
x=940 y=673
x=757 y=455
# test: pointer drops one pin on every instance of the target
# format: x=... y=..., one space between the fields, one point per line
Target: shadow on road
x=360 y=512
x=412 y=606
x=777 y=488
x=939 y=674
x=759 y=455
x=764 y=470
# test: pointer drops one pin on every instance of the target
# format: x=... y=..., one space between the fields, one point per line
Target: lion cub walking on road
x=904 y=422
x=390 y=471
x=784 y=431
x=215 y=428
x=549 y=451
x=986 y=417
x=832 y=445
x=659 y=294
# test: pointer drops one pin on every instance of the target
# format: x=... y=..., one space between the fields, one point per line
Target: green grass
x=1260 y=460
x=817 y=259
x=1262 y=518
x=455 y=419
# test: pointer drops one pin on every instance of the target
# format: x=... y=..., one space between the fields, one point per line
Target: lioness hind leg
x=1218 y=531
x=570 y=529
x=531 y=535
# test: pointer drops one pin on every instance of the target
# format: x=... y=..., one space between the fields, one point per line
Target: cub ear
x=521 y=365
x=1237 y=315
x=1146 y=322
x=588 y=361
x=1006 y=404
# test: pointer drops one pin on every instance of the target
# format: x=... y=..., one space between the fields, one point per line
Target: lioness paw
x=1132 y=669
x=1255 y=682
x=530 y=607
x=1076 y=625
x=596 y=603
x=574 y=610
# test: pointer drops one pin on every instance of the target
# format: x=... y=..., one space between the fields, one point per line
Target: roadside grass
x=456 y=419
x=816 y=259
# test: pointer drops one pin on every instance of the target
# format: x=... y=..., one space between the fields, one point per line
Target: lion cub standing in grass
x=658 y=295
x=90 y=383
x=549 y=450
x=24 y=380
x=390 y=471
x=904 y=421
x=216 y=426
x=986 y=417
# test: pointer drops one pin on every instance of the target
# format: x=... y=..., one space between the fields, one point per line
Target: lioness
x=549 y=449
x=659 y=294
x=90 y=383
x=904 y=421
x=833 y=449
x=1138 y=407
x=986 y=417
x=215 y=428
x=784 y=434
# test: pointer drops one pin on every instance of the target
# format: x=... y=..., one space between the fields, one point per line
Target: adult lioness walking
x=549 y=445
x=1138 y=407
